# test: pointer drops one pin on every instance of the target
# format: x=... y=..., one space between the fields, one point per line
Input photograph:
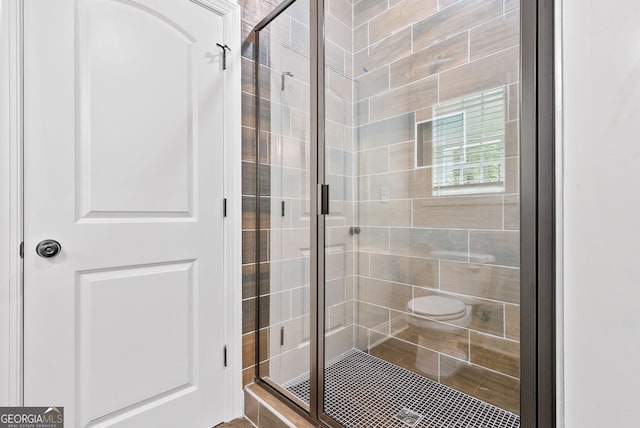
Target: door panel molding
x=97 y=291
x=115 y=138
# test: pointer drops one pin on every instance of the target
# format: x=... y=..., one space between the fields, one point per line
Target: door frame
x=540 y=196
x=11 y=199
x=538 y=235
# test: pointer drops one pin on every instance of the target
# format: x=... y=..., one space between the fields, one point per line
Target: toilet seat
x=437 y=308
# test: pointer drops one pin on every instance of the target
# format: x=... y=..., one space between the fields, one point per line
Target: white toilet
x=431 y=313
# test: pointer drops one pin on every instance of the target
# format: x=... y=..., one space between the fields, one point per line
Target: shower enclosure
x=396 y=275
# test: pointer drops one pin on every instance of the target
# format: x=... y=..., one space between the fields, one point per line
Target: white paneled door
x=123 y=135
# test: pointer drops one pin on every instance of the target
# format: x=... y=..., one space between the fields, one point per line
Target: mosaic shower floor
x=366 y=391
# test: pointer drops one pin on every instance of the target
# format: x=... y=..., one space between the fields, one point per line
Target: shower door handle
x=324 y=199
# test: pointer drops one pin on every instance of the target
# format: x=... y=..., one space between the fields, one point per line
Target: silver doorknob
x=48 y=248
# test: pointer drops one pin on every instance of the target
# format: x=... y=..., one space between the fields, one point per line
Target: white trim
x=234 y=397
x=234 y=406
x=559 y=212
x=11 y=201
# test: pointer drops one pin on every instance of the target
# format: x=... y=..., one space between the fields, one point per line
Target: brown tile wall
x=252 y=12
x=266 y=411
x=408 y=58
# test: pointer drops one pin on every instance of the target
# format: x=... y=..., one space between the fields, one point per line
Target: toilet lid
x=436 y=306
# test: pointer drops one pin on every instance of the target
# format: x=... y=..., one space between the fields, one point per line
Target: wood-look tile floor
x=236 y=423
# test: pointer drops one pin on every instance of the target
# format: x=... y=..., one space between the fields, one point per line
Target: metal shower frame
x=537 y=215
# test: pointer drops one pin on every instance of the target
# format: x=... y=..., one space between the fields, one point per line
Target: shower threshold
x=365 y=391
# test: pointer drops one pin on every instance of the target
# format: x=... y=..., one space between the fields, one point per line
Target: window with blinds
x=464 y=144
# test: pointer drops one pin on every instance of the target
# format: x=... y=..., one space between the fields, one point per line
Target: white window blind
x=468 y=140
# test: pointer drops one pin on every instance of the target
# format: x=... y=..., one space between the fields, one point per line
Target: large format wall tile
x=503 y=245
x=389 y=49
x=361 y=37
x=512 y=317
x=432 y=60
x=472 y=212
x=340 y=315
x=406 y=99
x=445 y=3
x=339 y=85
x=487 y=317
x=249 y=348
x=446 y=339
x=288 y=274
x=402 y=157
x=512 y=212
x=365 y=10
x=338 y=32
x=430 y=243
x=400 y=185
x=385 y=132
x=388 y=213
x=499 y=354
x=402 y=14
x=495 y=35
x=370 y=316
x=373 y=161
x=372 y=83
x=408 y=270
x=343 y=10
x=511 y=4
x=491 y=282
x=374 y=239
x=384 y=293
x=486 y=73
x=249 y=254
x=454 y=19
x=335 y=57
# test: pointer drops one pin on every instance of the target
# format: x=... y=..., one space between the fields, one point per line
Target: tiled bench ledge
x=266 y=411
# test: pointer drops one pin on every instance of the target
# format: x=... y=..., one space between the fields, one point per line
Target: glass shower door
x=422 y=242
x=284 y=198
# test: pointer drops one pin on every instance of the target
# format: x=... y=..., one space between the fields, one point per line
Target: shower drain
x=409 y=417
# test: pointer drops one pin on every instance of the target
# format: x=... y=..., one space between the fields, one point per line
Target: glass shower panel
x=422 y=241
x=284 y=136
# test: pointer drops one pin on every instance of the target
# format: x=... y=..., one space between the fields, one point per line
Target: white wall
x=601 y=80
x=4 y=213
